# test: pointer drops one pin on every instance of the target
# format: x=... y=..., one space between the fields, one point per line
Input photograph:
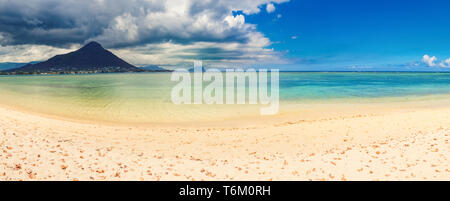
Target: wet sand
x=363 y=143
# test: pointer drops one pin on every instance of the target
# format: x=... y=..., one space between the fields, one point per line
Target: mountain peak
x=93 y=45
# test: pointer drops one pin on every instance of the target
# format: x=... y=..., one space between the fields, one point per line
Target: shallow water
x=145 y=97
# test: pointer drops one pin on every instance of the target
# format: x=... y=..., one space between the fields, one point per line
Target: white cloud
x=445 y=64
x=294 y=37
x=434 y=62
x=429 y=61
x=235 y=21
x=270 y=8
x=28 y=53
x=230 y=54
x=214 y=53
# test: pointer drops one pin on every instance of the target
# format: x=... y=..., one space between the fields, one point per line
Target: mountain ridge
x=154 y=68
x=91 y=58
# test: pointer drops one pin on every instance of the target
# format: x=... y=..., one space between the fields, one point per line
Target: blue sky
x=367 y=34
x=309 y=35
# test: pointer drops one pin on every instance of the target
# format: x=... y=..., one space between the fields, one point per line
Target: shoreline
x=290 y=111
x=407 y=143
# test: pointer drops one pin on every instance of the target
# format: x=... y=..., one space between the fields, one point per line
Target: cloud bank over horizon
x=432 y=61
x=141 y=31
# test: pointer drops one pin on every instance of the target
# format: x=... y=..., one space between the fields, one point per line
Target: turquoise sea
x=145 y=97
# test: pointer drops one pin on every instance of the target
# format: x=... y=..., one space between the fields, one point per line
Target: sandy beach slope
x=386 y=144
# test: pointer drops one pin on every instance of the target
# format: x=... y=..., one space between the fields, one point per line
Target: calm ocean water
x=146 y=98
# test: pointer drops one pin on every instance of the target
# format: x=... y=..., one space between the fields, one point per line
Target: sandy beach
x=366 y=143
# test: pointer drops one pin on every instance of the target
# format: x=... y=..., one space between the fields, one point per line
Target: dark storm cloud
x=59 y=23
x=142 y=30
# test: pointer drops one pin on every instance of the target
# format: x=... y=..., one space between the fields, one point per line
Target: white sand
x=365 y=143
